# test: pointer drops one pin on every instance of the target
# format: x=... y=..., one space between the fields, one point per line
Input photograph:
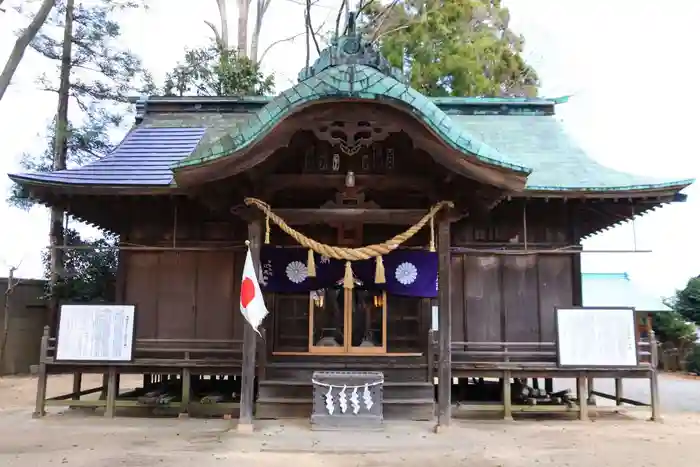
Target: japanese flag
x=252 y=303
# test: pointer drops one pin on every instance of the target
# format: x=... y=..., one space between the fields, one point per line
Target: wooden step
x=304 y=389
x=297 y=407
x=282 y=407
x=302 y=371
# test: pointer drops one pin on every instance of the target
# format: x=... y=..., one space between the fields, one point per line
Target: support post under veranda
x=654 y=378
x=40 y=407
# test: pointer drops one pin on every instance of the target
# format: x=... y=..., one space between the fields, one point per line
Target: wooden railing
x=156 y=359
x=177 y=353
x=508 y=360
x=169 y=353
x=512 y=354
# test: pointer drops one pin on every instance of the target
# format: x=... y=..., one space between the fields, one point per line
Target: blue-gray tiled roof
x=142 y=159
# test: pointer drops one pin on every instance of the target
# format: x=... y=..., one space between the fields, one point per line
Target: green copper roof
x=558 y=163
x=350 y=81
x=617 y=289
x=349 y=68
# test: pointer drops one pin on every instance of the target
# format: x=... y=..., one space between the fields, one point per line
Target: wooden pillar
x=590 y=383
x=444 y=322
x=77 y=385
x=186 y=378
x=582 y=397
x=245 y=418
x=549 y=385
x=507 y=405
x=654 y=378
x=618 y=391
x=112 y=391
x=40 y=407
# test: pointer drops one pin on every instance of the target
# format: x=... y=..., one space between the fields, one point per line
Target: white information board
x=596 y=337
x=97 y=333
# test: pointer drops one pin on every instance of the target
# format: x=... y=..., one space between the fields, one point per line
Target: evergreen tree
x=89 y=271
x=102 y=76
x=213 y=71
x=452 y=47
x=93 y=76
x=686 y=302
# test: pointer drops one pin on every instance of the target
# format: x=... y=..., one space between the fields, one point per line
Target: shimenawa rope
x=344 y=253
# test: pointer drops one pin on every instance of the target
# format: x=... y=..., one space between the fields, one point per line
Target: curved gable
x=356 y=82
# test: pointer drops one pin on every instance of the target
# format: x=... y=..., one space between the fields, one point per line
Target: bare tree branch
x=337 y=18
x=410 y=23
x=307 y=62
x=22 y=43
x=308 y=26
x=217 y=36
x=363 y=5
x=11 y=284
x=383 y=16
x=291 y=38
x=277 y=42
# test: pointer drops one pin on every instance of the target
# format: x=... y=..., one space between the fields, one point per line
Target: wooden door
x=345 y=321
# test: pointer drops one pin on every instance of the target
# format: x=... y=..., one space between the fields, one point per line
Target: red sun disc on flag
x=247 y=292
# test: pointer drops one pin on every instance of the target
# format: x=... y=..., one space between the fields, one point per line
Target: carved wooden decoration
x=351 y=136
x=344 y=146
x=349 y=234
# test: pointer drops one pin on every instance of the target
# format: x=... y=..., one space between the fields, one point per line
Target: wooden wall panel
x=482 y=298
x=520 y=302
x=177 y=286
x=555 y=286
x=238 y=320
x=141 y=282
x=509 y=297
x=459 y=317
x=216 y=303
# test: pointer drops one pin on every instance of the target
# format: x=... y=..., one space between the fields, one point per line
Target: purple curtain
x=411 y=273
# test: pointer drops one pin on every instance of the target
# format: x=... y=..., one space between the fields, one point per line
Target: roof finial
x=350 y=28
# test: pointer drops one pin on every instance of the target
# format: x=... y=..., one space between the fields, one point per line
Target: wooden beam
x=245 y=419
x=275 y=183
x=365 y=216
x=445 y=322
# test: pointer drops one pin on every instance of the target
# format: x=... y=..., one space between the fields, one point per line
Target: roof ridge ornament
x=351 y=48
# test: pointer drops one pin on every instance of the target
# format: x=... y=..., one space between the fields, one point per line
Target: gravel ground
x=678 y=393
x=77 y=438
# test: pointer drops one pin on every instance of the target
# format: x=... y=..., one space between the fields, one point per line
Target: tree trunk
x=224 y=25
x=59 y=160
x=21 y=45
x=262 y=6
x=243 y=8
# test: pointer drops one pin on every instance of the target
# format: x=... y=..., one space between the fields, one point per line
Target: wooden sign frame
x=132 y=312
x=557 y=310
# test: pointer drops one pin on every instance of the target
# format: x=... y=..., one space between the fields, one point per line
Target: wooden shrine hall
x=426 y=240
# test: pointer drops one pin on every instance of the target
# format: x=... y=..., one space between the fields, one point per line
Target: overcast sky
x=627 y=62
